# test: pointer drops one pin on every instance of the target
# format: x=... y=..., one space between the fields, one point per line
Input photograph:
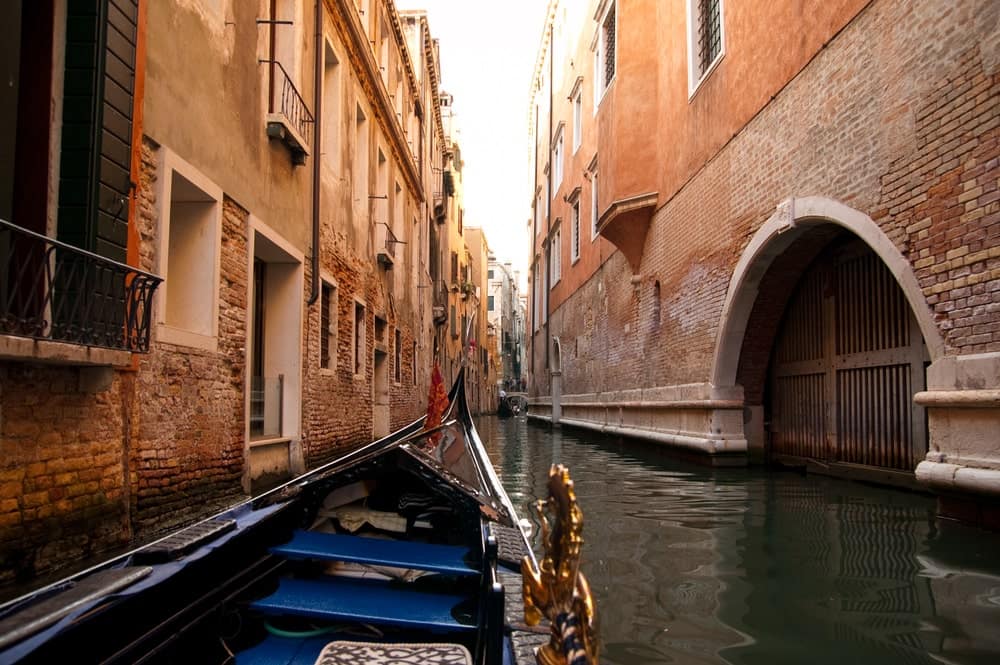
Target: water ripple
x=698 y=565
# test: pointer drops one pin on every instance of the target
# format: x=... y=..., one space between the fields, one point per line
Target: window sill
x=704 y=77
x=181 y=337
x=60 y=353
x=271 y=441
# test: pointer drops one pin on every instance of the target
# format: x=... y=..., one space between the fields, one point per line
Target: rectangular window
x=454 y=268
x=705 y=39
x=360 y=175
x=331 y=108
x=594 y=210
x=604 y=55
x=489 y=303
x=359 y=338
x=454 y=323
x=489 y=274
x=192 y=223
x=577 y=120
x=557 y=163
x=328 y=327
x=398 y=359
x=555 y=256
x=575 y=230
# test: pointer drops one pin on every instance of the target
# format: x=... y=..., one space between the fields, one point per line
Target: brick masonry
x=899 y=117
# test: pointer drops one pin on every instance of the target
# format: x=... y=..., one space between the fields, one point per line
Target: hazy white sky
x=488 y=53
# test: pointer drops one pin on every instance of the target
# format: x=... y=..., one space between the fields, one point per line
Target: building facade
x=505 y=313
x=253 y=186
x=746 y=246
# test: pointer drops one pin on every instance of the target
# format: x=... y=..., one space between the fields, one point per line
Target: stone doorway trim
x=792 y=218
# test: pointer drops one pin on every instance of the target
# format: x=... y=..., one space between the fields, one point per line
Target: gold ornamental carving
x=558 y=590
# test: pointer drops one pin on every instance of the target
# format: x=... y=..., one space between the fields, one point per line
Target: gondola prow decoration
x=558 y=590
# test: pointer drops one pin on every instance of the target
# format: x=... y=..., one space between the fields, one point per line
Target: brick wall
x=897 y=117
x=62 y=479
x=188 y=455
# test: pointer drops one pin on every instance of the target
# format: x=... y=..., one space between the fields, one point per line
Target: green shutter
x=94 y=181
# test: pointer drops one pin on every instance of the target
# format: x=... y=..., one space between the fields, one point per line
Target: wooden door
x=847 y=361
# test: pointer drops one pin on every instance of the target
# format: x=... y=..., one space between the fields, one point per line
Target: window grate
x=709 y=33
x=609 y=47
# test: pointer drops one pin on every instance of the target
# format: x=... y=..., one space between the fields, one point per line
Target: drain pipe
x=318 y=114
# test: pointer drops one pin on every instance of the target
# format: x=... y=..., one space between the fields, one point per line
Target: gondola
x=408 y=548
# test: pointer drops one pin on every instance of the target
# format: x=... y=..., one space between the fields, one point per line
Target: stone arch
x=556 y=355
x=792 y=220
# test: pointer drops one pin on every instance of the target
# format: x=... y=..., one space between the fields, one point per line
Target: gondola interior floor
x=319 y=546
x=367 y=601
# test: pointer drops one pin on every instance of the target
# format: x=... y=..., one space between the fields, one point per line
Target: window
x=489 y=274
x=557 y=163
x=705 y=39
x=538 y=213
x=331 y=108
x=575 y=231
x=594 y=211
x=489 y=303
x=398 y=359
x=192 y=223
x=273 y=355
x=454 y=323
x=577 y=120
x=360 y=175
x=604 y=55
x=454 y=268
x=328 y=326
x=555 y=256
x=359 y=338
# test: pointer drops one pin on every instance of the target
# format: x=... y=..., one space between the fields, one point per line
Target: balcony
x=63 y=298
x=386 y=243
x=288 y=118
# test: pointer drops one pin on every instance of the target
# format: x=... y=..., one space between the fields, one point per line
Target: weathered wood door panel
x=847 y=361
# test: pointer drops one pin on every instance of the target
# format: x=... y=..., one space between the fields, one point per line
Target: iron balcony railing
x=390 y=241
x=53 y=291
x=289 y=102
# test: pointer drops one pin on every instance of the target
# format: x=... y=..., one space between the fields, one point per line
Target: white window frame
x=359 y=351
x=594 y=211
x=695 y=76
x=207 y=336
x=600 y=87
x=332 y=333
x=577 y=119
x=574 y=247
x=555 y=257
x=558 y=156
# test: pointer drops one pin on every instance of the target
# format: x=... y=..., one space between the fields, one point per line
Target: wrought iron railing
x=289 y=102
x=390 y=241
x=53 y=291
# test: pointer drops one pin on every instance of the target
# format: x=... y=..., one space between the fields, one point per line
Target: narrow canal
x=698 y=565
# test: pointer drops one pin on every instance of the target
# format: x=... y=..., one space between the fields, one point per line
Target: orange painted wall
x=648 y=133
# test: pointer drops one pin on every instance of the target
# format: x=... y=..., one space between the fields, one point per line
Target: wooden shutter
x=94 y=180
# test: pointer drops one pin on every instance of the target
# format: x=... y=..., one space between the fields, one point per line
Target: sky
x=488 y=53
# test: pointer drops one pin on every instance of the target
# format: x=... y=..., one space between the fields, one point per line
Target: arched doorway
x=846 y=362
x=766 y=279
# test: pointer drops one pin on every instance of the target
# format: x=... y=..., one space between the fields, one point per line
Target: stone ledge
x=968 y=399
x=48 y=352
x=953 y=477
x=737 y=448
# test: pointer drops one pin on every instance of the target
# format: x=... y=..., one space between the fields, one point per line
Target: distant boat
x=408 y=547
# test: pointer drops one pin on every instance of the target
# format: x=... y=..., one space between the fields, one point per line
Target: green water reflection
x=697 y=565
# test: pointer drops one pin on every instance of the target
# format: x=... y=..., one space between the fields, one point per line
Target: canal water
x=697 y=565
